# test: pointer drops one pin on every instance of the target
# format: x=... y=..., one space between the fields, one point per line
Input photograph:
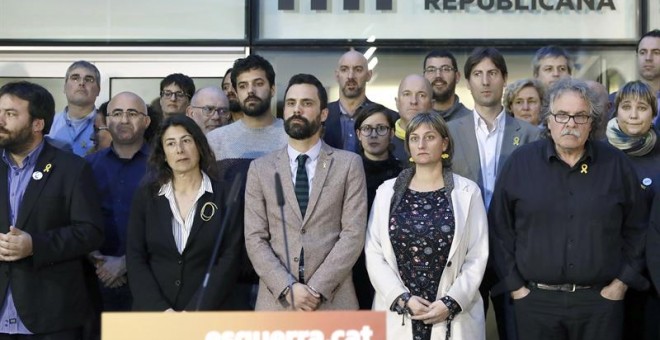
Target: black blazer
x=61 y=212
x=161 y=278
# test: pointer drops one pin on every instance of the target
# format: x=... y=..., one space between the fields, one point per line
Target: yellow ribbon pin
x=47 y=168
x=584 y=168
x=516 y=140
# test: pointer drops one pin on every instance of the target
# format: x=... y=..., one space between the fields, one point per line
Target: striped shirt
x=181 y=226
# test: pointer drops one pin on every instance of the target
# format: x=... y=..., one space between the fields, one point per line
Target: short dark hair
x=303 y=78
x=481 y=53
x=653 y=34
x=551 y=51
x=159 y=172
x=41 y=104
x=181 y=80
x=252 y=62
x=228 y=72
x=366 y=111
x=441 y=54
x=637 y=90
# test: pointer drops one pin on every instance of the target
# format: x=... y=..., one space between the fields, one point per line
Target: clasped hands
x=15 y=245
x=111 y=270
x=426 y=311
x=305 y=297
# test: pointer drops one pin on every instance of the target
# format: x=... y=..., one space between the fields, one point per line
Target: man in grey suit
x=482 y=143
x=325 y=211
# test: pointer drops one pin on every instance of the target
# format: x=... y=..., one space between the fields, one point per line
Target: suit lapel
x=202 y=206
x=511 y=140
x=461 y=201
x=165 y=219
x=33 y=190
x=322 y=167
x=471 y=148
x=284 y=169
x=4 y=191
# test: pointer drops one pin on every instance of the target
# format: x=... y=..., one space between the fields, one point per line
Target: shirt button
x=177 y=283
x=180 y=262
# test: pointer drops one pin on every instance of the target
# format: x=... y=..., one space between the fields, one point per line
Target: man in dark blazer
x=352 y=75
x=482 y=143
x=50 y=220
x=325 y=211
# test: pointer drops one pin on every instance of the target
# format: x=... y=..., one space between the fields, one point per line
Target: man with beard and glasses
x=51 y=220
x=567 y=226
x=237 y=144
x=230 y=92
x=325 y=207
x=352 y=75
x=483 y=142
x=73 y=128
x=441 y=70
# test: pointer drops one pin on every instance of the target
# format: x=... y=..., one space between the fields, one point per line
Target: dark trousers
x=652 y=318
x=504 y=314
x=72 y=334
x=581 y=315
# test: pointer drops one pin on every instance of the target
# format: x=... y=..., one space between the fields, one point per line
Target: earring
x=444 y=155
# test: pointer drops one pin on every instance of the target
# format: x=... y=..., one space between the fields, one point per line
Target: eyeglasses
x=367 y=130
x=208 y=111
x=76 y=78
x=131 y=114
x=563 y=118
x=177 y=95
x=443 y=69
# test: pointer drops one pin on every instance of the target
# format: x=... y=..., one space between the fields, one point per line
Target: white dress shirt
x=310 y=166
x=490 y=145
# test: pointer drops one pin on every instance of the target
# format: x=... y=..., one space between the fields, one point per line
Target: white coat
x=461 y=276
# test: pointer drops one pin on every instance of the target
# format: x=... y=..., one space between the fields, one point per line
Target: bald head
x=415 y=94
x=209 y=108
x=136 y=101
x=352 y=75
x=127 y=131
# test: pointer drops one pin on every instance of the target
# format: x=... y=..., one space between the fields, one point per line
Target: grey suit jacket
x=332 y=232
x=466 y=160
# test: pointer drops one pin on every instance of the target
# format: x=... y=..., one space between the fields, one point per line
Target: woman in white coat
x=427 y=243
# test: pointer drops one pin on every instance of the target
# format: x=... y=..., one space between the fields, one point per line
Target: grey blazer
x=332 y=232
x=466 y=160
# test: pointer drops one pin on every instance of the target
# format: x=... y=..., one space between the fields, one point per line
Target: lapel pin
x=646 y=182
x=47 y=168
x=324 y=164
x=516 y=140
x=37 y=175
x=584 y=169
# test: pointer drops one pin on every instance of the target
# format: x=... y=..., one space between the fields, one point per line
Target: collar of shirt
x=345 y=113
x=310 y=166
x=480 y=123
x=69 y=120
x=144 y=150
x=167 y=189
x=29 y=161
x=550 y=152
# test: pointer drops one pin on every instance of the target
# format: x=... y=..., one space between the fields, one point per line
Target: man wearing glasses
x=209 y=108
x=567 y=226
x=73 y=127
x=118 y=170
x=175 y=93
x=441 y=70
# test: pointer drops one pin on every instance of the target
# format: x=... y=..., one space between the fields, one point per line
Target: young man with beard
x=325 y=207
x=352 y=75
x=50 y=220
x=441 y=70
x=256 y=134
x=230 y=92
x=73 y=128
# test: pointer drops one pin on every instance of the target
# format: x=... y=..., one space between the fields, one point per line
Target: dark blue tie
x=302 y=184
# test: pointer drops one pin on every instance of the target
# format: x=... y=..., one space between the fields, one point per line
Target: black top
x=555 y=224
x=378 y=172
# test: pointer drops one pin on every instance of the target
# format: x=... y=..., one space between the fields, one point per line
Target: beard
x=445 y=95
x=257 y=110
x=302 y=130
x=17 y=141
x=354 y=93
x=235 y=106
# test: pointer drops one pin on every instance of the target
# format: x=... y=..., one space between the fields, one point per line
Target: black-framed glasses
x=208 y=111
x=381 y=130
x=131 y=114
x=563 y=118
x=177 y=95
x=443 y=69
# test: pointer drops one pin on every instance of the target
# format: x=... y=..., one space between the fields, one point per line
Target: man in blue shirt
x=73 y=127
x=118 y=171
x=50 y=220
